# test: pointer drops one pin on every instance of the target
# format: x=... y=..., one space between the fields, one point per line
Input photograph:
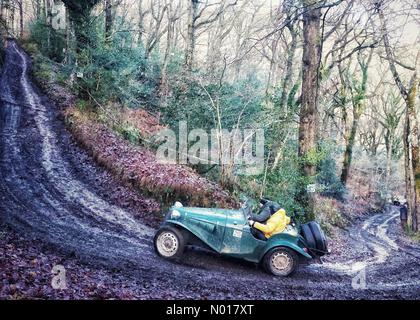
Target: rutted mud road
x=48 y=192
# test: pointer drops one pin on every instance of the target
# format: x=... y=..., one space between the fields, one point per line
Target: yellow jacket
x=276 y=224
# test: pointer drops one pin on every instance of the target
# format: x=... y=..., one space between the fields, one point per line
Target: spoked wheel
x=169 y=242
x=281 y=262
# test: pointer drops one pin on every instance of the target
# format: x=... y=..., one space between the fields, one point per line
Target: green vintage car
x=227 y=232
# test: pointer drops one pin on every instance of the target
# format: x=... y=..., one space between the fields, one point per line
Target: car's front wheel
x=169 y=242
x=281 y=261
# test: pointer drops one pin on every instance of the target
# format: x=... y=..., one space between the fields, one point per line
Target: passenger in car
x=275 y=224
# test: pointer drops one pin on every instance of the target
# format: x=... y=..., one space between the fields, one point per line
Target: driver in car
x=276 y=223
x=268 y=208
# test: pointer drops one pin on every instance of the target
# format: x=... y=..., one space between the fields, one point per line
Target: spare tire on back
x=315 y=238
x=307 y=234
x=320 y=238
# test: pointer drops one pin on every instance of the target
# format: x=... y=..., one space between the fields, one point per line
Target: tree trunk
x=309 y=103
x=12 y=19
x=348 y=154
x=191 y=34
x=38 y=10
x=48 y=17
x=389 y=147
x=140 y=23
x=358 y=101
x=287 y=81
x=79 y=14
x=164 y=85
x=411 y=139
x=411 y=107
x=271 y=81
x=108 y=20
x=20 y=3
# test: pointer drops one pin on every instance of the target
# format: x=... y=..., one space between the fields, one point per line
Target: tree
x=309 y=100
x=291 y=25
x=79 y=15
x=173 y=14
x=20 y=7
x=158 y=11
x=196 y=21
x=358 y=96
x=108 y=20
x=411 y=130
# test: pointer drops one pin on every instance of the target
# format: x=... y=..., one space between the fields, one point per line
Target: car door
x=235 y=224
x=207 y=224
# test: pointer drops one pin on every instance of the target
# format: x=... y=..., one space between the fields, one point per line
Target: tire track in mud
x=373 y=234
x=49 y=202
x=41 y=197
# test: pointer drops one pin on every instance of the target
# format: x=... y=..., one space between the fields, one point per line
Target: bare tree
x=411 y=130
x=197 y=19
x=358 y=96
x=173 y=13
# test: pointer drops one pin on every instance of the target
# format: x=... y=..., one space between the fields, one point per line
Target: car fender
x=284 y=240
x=183 y=226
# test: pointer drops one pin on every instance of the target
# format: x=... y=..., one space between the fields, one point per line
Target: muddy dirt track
x=51 y=191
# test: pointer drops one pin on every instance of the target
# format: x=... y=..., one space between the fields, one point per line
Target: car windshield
x=247 y=211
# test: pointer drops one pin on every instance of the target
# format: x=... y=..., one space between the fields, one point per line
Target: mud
x=51 y=193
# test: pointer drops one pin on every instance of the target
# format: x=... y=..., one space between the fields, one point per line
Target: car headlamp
x=175 y=214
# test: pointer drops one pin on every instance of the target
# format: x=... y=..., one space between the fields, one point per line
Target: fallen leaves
x=138 y=166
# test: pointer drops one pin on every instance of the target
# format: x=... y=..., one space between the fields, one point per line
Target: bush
x=51 y=43
x=190 y=102
x=327 y=178
x=282 y=184
x=117 y=71
x=328 y=213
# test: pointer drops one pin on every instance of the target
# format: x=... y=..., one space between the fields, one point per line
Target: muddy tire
x=320 y=239
x=307 y=234
x=169 y=242
x=281 y=262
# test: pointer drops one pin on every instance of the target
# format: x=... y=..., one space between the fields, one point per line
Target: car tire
x=281 y=262
x=320 y=239
x=169 y=242
x=307 y=234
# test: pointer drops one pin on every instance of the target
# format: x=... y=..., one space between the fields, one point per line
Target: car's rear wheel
x=169 y=242
x=281 y=262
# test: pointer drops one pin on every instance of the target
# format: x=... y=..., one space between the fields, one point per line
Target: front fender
x=285 y=240
x=193 y=232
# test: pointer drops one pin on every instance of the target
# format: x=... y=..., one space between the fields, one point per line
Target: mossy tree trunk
x=79 y=14
x=309 y=100
x=415 y=155
x=191 y=34
x=109 y=20
x=358 y=101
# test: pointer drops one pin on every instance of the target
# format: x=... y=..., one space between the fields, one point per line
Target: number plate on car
x=237 y=233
